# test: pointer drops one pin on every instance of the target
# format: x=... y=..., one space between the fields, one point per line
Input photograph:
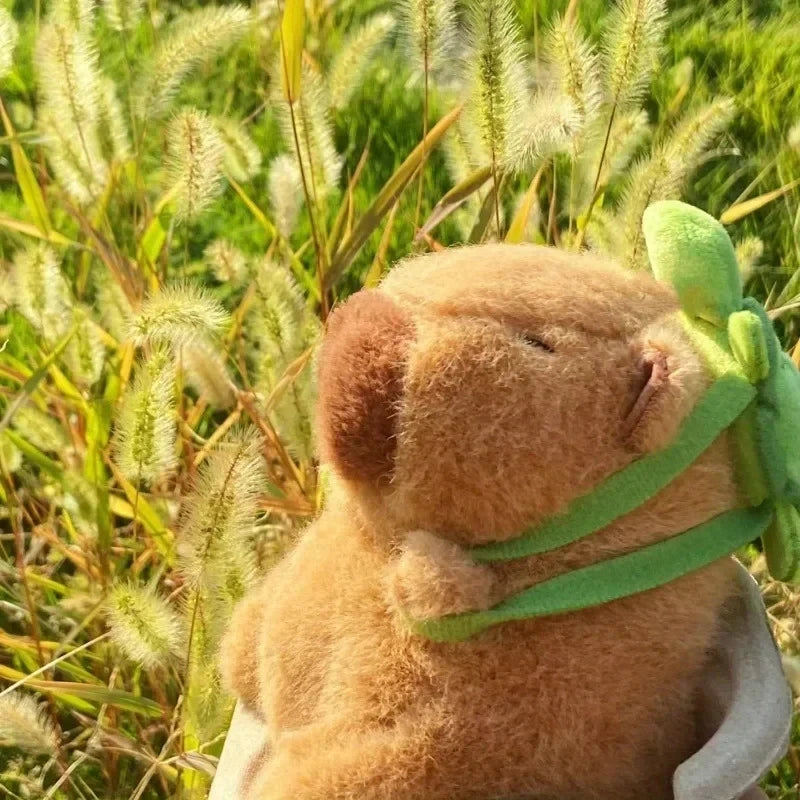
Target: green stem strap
x=612 y=579
x=724 y=401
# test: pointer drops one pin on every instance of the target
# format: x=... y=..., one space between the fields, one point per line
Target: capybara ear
x=361 y=369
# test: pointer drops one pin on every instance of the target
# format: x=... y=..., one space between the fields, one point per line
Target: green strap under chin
x=626 y=490
x=613 y=579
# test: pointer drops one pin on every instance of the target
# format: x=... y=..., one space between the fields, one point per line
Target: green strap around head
x=631 y=487
x=755 y=393
x=613 y=579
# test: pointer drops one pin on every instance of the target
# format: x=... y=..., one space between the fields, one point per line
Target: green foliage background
x=132 y=728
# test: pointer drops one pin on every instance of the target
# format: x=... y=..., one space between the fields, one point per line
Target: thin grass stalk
x=425 y=100
x=318 y=245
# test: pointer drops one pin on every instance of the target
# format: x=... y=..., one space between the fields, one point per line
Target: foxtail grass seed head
x=354 y=57
x=285 y=193
x=205 y=371
x=115 y=309
x=428 y=28
x=242 y=157
x=553 y=124
x=82 y=178
x=85 y=354
x=10 y=456
x=577 y=69
x=145 y=436
x=793 y=137
x=77 y=13
x=69 y=91
x=123 y=15
x=207 y=704
x=292 y=418
x=113 y=130
x=276 y=321
x=664 y=174
x=749 y=252
x=629 y=132
x=177 y=315
x=322 y=164
x=9 y=34
x=40 y=429
x=195 y=155
x=194 y=39
x=79 y=501
x=220 y=511
x=24 y=726
x=631 y=44
x=497 y=79
x=144 y=626
x=42 y=295
x=691 y=138
x=228 y=262
x=69 y=79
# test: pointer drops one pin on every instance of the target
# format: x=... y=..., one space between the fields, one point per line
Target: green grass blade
x=740 y=210
x=31 y=193
x=29 y=387
x=293 y=26
x=455 y=198
x=386 y=198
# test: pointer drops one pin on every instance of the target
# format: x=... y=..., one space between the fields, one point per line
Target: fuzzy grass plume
x=348 y=68
x=663 y=175
x=77 y=13
x=228 y=262
x=70 y=92
x=285 y=193
x=85 y=353
x=634 y=34
x=205 y=371
x=195 y=156
x=144 y=626
x=220 y=512
x=123 y=15
x=40 y=429
x=749 y=252
x=242 y=156
x=428 y=28
x=24 y=726
x=41 y=294
x=144 y=442
x=497 y=81
x=115 y=142
x=577 y=69
x=9 y=34
x=194 y=38
x=176 y=315
x=321 y=163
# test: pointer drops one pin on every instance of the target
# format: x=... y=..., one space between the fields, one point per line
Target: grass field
x=168 y=262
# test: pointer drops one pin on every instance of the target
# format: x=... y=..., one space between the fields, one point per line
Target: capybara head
x=479 y=390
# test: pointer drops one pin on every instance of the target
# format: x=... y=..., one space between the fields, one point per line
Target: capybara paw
x=432 y=577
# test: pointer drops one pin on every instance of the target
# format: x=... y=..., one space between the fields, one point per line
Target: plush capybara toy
x=486 y=607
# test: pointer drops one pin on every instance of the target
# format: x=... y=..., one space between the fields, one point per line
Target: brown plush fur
x=361 y=382
x=528 y=375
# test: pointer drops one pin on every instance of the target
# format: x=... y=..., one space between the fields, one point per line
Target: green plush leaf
x=691 y=251
x=782 y=543
x=749 y=345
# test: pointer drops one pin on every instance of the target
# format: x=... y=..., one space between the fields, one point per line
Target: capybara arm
x=431 y=577
x=328 y=761
x=239 y=651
